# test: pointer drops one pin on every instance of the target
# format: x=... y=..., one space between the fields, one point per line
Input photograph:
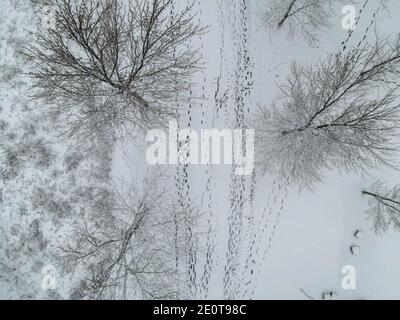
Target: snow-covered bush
x=51 y=202
x=72 y=160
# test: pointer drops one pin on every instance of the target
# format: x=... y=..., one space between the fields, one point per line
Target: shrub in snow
x=3 y=125
x=42 y=198
x=13 y=161
x=29 y=128
x=72 y=160
x=41 y=154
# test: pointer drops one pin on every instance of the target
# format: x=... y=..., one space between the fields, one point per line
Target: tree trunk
x=287 y=14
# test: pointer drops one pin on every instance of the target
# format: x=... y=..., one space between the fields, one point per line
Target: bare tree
x=384 y=208
x=300 y=17
x=134 y=255
x=340 y=114
x=110 y=62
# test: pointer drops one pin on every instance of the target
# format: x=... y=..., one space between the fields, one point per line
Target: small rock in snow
x=359 y=234
x=355 y=250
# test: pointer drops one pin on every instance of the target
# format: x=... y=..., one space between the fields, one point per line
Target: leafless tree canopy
x=384 y=208
x=300 y=17
x=340 y=114
x=134 y=256
x=108 y=62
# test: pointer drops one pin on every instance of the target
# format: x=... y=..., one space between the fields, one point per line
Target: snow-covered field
x=258 y=236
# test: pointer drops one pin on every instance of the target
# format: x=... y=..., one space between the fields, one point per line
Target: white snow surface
x=309 y=233
x=316 y=229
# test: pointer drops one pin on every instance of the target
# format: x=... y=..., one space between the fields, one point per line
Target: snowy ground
x=312 y=231
x=316 y=231
x=297 y=240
